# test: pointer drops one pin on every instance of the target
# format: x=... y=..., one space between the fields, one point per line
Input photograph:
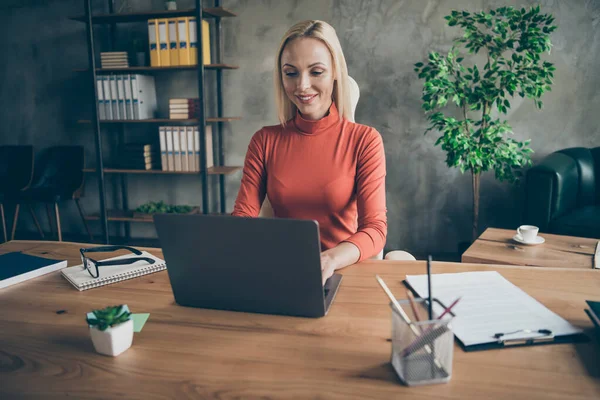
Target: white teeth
x=305 y=98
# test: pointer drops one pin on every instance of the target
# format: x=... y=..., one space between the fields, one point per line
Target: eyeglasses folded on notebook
x=92 y=266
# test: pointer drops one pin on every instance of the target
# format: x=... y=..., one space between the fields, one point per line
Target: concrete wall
x=429 y=205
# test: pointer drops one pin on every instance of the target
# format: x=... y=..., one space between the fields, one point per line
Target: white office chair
x=266 y=211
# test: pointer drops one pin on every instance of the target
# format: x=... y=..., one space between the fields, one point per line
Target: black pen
x=429 y=286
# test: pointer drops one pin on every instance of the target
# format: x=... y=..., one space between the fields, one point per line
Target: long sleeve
x=254 y=177
x=370 y=192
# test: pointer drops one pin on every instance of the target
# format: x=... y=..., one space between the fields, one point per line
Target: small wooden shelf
x=159 y=69
x=125 y=216
x=160 y=121
x=208 y=12
x=224 y=170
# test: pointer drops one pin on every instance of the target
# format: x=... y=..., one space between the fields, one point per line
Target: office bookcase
x=100 y=127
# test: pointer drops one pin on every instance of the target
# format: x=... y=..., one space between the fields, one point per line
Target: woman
x=316 y=164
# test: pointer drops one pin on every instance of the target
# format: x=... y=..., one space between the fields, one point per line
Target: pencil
x=413 y=306
x=429 y=287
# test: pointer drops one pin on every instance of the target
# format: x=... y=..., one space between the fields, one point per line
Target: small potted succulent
x=111 y=329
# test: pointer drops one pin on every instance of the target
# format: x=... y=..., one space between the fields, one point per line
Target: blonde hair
x=324 y=32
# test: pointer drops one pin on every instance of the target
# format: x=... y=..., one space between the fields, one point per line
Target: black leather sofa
x=563 y=193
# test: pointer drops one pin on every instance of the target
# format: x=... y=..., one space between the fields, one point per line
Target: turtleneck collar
x=312 y=127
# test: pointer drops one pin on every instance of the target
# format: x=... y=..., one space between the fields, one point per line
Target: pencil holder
x=422 y=351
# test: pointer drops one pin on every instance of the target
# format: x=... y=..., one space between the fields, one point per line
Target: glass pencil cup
x=422 y=351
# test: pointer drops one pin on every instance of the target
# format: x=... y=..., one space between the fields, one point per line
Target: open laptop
x=261 y=265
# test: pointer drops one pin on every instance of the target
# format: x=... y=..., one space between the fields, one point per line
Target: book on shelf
x=82 y=280
x=17 y=267
x=173 y=41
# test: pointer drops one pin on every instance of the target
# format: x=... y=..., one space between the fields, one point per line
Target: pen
x=429 y=287
x=447 y=310
x=413 y=306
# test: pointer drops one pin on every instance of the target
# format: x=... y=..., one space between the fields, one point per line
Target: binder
x=184 y=40
x=196 y=148
x=99 y=89
x=184 y=152
x=170 y=159
x=209 y=147
x=190 y=149
x=128 y=99
x=194 y=42
x=114 y=97
x=176 y=148
x=107 y=105
x=173 y=41
x=144 y=96
x=493 y=313
x=121 y=97
x=163 y=43
x=152 y=39
x=162 y=134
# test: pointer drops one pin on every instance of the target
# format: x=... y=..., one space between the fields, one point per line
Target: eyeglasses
x=92 y=265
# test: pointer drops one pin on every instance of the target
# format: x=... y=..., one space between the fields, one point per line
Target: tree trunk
x=475 y=203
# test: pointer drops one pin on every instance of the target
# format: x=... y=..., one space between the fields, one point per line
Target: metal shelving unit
x=217 y=12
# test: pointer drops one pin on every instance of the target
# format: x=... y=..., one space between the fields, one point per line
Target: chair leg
x=87 y=228
x=37 y=224
x=50 y=219
x=58 y=222
x=3 y=222
x=15 y=219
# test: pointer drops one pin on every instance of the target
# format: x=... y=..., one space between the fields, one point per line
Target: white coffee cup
x=528 y=232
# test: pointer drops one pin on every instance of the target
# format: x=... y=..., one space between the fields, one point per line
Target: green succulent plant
x=161 y=207
x=109 y=316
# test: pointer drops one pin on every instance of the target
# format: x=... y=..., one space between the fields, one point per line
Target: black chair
x=58 y=176
x=16 y=173
x=563 y=193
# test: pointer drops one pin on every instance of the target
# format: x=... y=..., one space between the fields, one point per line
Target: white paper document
x=489 y=305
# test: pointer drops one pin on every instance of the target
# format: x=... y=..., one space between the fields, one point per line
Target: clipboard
x=513 y=318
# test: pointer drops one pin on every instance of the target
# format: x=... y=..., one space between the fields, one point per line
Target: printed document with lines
x=489 y=304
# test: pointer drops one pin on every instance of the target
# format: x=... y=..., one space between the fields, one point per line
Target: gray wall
x=429 y=205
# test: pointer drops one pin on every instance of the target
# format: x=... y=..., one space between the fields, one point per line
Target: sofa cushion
x=583 y=222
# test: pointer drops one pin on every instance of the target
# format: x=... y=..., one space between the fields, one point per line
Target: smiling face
x=308 y=76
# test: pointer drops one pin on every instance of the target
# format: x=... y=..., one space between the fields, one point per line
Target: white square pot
x=114 y=340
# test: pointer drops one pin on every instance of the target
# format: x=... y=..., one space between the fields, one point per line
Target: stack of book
x=139 y=156
x=114 y=59
x=184 y=108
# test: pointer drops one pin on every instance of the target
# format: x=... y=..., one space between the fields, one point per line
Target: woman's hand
x=328 y=265
x=338 y=257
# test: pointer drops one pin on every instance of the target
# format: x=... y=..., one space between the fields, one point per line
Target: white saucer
x=538 y=240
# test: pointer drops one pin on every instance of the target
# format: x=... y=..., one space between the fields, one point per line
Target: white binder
x=190 y=150
x=144 y=96
x=170 y=160
x=107 y=104
x=162 y=134
x=99 y=88
x=121 y=96
x=128 y=103
x=176 y=148
x=114 y=97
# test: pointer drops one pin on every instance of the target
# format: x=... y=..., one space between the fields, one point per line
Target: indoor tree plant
x=473 y=134
x=111 y=329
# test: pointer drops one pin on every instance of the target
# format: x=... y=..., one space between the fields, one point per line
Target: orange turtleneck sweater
x=327 y=170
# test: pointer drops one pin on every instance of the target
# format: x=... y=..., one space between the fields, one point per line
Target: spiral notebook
x=82 y=280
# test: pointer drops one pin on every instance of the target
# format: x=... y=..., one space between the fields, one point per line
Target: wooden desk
x=495 y=246
x=195 y=353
